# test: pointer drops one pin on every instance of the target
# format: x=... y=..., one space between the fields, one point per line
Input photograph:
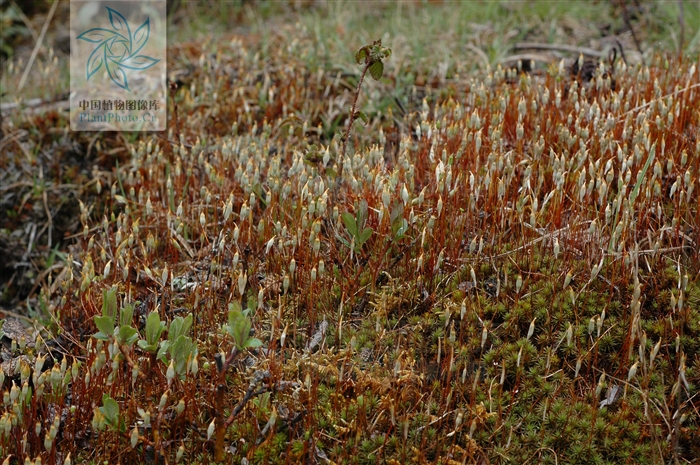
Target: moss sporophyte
x=507 y=271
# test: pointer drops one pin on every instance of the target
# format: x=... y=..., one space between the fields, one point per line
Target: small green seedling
x=107 y=323
x=108 y=415
x=371 y=57
x=355 y=228
x=238 y=327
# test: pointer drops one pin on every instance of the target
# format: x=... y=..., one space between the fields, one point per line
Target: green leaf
x=234 y=313
x=179 y=327
x=164 y=346
x=154 y=328
x=364 y=236
x=401 y=232
x=397 y=212
x=126 y=315
x=260 y=194
x=105 y=324
x=362 y=213
x=252 y=303
x=361 y=54
x=109 y=304
x=152 y=348
x=642 y=173
x=252 y=343
x=234 y=306
x=376 y=69
x=128 y=335
x=361 y=114
x=180 y=352
x=345 y=242
x=350 y=223
x=399 y=225
x=110 y=409
x=101 y=336
x=240 y=330
x=233 y=317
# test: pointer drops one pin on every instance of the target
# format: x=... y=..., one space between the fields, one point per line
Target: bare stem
x=681 y=22
x=352 y=119
x=219 y=421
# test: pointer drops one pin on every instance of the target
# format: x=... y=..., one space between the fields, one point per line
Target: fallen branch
x=559 y=47
x=37 y=46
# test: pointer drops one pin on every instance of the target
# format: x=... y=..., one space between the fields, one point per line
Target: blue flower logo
x=118 y=48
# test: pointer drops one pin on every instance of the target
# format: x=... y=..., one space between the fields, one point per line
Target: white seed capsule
x=472 y=428
x=633 y=371
x=107 y=269
x=531 y=330
x=14 y=393
x=654 y=352
x=134 y=437
x=194 y=367
x=601 y=384
x=163 y=400
x=210 y=429
x=228 y=208
x=242 y=280
x=404 y=194
x=386 y=196
x=170 y=373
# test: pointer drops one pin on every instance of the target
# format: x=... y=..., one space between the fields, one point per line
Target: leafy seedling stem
x=371 y=57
